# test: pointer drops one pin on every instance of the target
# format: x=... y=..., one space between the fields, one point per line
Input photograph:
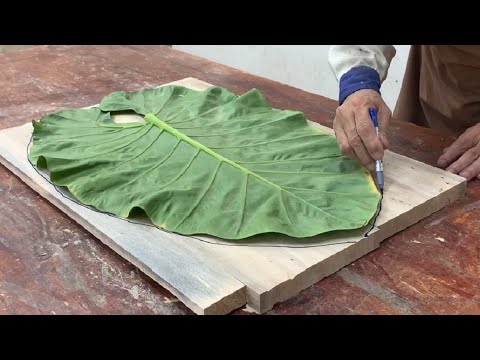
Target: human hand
x=354 y=128
x=463 y=156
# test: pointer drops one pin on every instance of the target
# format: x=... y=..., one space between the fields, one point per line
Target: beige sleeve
x=344 y=57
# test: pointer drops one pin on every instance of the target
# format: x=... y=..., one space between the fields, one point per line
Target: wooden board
x=211 y=277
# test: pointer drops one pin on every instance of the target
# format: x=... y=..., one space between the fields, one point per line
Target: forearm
x=360 y=66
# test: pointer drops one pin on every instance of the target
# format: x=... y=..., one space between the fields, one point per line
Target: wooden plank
x=413 y=190
x=203 y=288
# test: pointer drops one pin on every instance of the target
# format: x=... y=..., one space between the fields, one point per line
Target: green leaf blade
x=216 y=163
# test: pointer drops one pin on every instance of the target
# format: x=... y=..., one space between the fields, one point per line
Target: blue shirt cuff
x=358 y=78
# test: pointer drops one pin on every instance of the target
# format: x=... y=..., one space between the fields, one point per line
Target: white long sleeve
x=344 y=57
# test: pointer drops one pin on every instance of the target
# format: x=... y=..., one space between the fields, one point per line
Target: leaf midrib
x=152 y=119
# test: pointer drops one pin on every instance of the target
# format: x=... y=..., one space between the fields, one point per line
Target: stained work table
x=51 y=265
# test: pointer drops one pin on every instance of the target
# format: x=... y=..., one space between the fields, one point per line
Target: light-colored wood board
x=274 y=274
x=271 y=274
x=180 y=269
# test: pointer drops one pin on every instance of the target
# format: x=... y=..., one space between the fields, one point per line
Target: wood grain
x=271 y=274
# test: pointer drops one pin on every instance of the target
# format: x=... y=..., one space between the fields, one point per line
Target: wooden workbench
x=50 y=265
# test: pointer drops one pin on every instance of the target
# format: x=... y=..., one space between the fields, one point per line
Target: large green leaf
x=206 y=162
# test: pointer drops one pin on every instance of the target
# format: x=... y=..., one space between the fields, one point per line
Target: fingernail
x=464 y=174
x=450 y=169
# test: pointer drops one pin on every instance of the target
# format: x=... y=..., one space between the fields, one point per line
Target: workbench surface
x=51 y=265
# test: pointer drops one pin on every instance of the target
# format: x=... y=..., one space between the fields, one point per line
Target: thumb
x=384 y=116
x=384 y=139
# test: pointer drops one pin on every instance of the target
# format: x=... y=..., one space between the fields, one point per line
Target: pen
x=378 y=163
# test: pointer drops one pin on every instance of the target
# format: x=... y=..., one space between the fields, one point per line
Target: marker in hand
x=378 y=163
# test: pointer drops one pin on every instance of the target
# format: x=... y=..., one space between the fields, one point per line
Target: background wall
x=302 y=66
